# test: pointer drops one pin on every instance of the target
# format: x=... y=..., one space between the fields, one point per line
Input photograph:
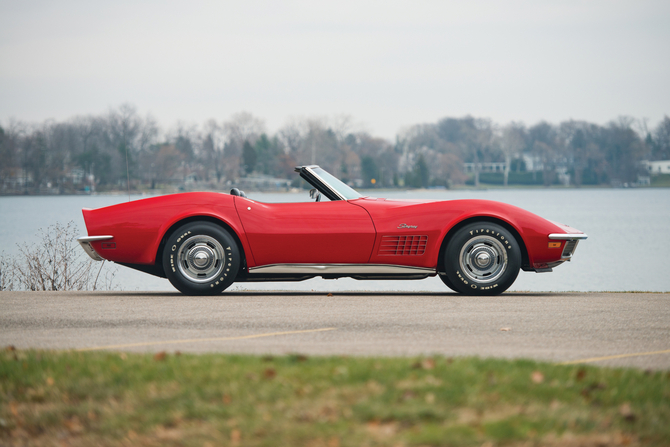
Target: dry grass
x=67 y=398
x=56 y=262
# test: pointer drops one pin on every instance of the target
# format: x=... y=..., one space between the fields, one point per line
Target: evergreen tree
x=249 y=157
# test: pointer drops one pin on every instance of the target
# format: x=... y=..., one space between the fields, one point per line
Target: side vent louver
x=403 y=245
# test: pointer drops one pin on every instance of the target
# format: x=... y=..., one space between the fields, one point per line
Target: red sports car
x=204 y=241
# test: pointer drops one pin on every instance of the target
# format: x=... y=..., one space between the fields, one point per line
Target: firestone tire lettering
x=481 y=259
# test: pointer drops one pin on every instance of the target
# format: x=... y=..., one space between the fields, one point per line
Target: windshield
x=336 y=184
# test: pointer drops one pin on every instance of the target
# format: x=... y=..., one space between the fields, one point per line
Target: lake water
x=627 y=248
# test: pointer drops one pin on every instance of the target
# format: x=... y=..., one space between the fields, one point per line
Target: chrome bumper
x=570 y=245
x=85 y=243
x=564 y=236
x=572 y=239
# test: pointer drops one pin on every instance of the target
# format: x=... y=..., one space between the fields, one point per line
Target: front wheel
x=201 y=258
x=482 y=259
x=447 y=282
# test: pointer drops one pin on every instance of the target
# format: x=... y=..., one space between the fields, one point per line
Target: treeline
x=121 y=149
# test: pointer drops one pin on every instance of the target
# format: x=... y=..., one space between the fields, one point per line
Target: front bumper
x=571 y=240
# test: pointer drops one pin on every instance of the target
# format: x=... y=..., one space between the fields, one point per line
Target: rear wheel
x=201 y=258
x=482 y=259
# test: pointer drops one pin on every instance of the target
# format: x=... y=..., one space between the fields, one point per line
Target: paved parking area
x=632 y=328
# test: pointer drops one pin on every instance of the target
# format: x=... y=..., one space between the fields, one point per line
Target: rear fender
x=139 y=227
x=204 y=218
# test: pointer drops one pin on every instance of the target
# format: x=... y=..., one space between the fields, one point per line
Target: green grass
x=111 y=398
x=660 y=180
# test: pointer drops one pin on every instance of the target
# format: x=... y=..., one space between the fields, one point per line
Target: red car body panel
x=353 y=232
x=139 y=226
x=434 y=219
x=306 y=232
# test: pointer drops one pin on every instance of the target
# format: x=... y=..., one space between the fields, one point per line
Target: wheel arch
x=214 y=220
x=490 y=219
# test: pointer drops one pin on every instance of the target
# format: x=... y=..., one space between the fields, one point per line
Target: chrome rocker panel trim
x=567 y=236
x=341 y=269
x=85 y=243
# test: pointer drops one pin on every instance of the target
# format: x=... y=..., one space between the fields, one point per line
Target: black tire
x=482 y=258
x=201 y=258
x=447 y=282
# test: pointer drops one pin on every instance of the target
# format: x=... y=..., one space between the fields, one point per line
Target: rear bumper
x=85 y=243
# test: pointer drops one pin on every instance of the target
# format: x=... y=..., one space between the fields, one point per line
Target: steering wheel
x=315 y=194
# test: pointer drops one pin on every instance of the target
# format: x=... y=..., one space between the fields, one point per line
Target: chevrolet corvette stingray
x=202 y=242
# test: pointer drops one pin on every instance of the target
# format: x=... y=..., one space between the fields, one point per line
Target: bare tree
x=479 y=143
x=243 y=127
x=292 y=134
x=212 y=149
x=11 y=155
x=512 y=142
x=661 y=140
x=98 y=151
x=239 y=128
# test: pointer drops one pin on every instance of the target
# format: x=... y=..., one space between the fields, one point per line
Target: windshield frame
x=327 y=183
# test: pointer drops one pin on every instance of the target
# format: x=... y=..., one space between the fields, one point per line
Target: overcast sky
x=388 y=64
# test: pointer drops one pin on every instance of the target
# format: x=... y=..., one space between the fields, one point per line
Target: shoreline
x=370 y=192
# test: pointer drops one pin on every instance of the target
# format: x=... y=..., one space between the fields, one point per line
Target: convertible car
x=204 y=241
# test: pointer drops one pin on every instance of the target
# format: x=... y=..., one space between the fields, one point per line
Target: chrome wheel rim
x=483 y=259
x=201 y=258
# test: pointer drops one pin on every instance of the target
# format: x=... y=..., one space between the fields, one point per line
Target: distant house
x=532 y=162
x=657 y=167
x=484 y=167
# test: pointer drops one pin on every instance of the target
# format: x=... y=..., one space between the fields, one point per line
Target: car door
x=336 y=232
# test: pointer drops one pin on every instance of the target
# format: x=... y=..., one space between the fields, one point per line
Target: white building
x=532 y=162
x=657 y=167
x=485 y=167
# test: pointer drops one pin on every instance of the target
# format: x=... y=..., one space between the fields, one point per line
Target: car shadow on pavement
x=323 y=293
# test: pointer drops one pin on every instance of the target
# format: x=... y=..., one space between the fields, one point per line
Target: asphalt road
x=557 y=327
